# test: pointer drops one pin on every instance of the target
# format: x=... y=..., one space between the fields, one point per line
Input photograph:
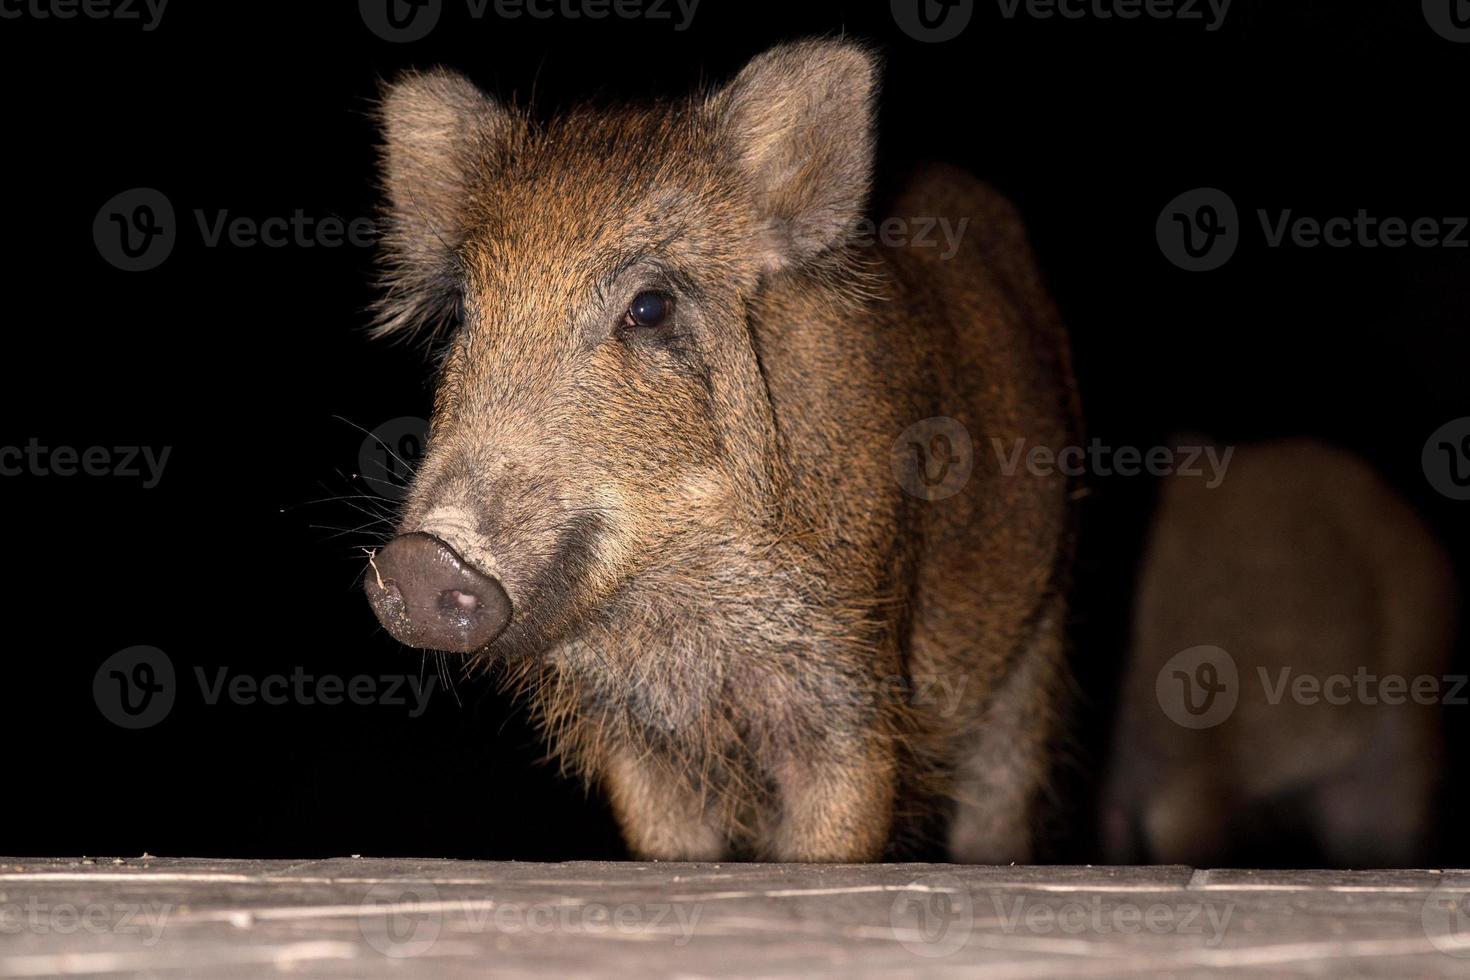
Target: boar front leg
x=1000 y=779
x=662 y=818
x=837 y=806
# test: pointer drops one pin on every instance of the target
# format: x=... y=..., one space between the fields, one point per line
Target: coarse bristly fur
x=727 y=610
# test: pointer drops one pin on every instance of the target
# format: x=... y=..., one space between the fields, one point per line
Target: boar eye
x=649 y=309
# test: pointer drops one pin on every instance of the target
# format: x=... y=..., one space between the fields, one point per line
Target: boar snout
x=427 y=596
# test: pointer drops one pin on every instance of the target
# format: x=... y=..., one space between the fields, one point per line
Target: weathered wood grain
x=206 y=919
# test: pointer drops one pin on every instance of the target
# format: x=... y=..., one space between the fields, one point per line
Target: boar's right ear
x=799 y=119
x=442 y=136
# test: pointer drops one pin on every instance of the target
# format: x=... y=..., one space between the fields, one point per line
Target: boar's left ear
x=799 y=120
x=442 y=137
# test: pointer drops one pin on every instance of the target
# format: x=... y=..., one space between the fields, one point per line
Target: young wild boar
x=664 y=484
x=1321 y=602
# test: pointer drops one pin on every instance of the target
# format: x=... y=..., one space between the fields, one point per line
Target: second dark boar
x=664 y=485
x=1291 y=635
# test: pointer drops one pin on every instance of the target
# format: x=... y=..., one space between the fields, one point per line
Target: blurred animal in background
x=1292 y=630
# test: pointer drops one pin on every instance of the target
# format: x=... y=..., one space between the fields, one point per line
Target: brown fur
x=714 y=572
x=1303 y=558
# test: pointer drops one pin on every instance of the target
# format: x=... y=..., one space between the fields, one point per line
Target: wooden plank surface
x=352 y=917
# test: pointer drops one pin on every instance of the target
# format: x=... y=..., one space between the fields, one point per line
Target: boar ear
x=441 y=137
x=799 y=119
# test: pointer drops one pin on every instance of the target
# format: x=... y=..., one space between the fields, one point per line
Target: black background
x=252 y=365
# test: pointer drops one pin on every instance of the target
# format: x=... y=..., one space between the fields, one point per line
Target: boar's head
x=589 y=283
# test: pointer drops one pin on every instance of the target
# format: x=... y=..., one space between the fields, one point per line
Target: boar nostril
x=461 y=599
x=428 y=596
